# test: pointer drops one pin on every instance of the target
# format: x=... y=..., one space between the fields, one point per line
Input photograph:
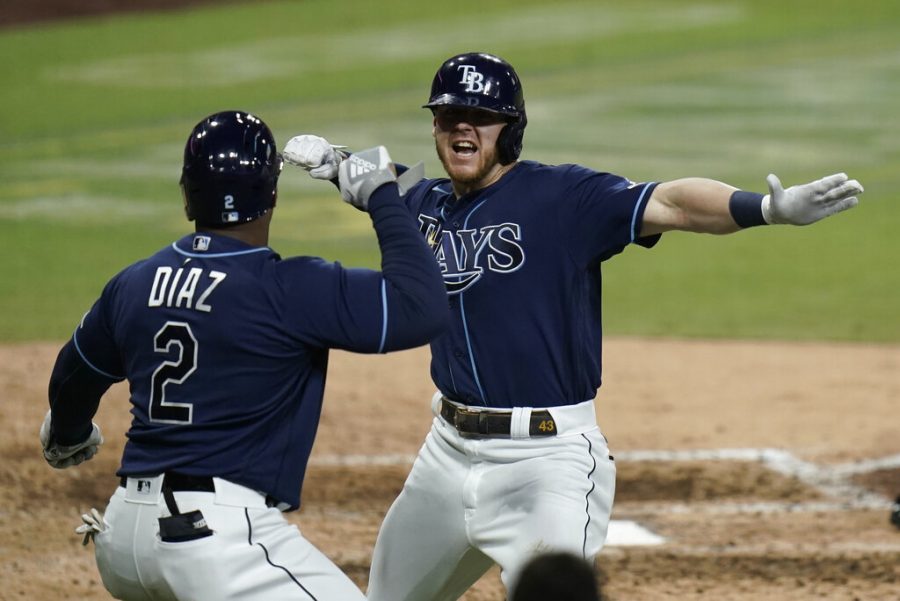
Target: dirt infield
x=766 y=467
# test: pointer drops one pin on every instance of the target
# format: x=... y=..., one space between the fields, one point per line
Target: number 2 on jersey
x=178 y=334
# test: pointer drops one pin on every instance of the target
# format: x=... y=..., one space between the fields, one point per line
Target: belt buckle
x=457 y=416
x=459 y=420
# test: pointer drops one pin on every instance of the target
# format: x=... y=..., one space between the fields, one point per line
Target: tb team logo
x=473 y=80
x=464 y=255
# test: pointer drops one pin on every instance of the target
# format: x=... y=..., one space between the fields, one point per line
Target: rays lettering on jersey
x=170 y=290
x=464 y=255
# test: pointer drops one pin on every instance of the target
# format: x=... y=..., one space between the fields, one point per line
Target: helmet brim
x=484 y=103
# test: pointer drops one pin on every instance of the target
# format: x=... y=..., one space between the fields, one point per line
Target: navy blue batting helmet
x=231 y=169
x=484 y=81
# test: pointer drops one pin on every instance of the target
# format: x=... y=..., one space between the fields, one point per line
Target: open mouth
x=464 y=148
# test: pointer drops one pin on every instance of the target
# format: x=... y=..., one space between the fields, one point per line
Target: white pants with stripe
x=469 y=503
x=254 y=553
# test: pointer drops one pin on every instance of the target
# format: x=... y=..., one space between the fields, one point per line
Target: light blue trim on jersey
x=445 y=192
x=637 y=208
x=217 y=255
x=452 y=379
x=91 y=365
x=462 y=310
x=384 y=315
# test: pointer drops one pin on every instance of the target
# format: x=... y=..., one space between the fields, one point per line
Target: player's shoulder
x=529 y=172
x=304 y=262
x=432 y=186
x=305 y=270
x=560 y=170
x=142 y=264
x=577 y=176
x=428 y=193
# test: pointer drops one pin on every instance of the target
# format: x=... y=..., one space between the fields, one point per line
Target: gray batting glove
x=410 y=177
x=63 y=456
x=808 y=203
x=362 y=173
x=92 y=524
x=314 y=154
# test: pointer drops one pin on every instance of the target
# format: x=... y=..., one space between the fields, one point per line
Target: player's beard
x=466 y=177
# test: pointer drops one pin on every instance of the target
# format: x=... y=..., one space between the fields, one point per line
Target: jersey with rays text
x=521 y=264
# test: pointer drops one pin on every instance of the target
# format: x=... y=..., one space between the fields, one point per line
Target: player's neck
x=254 y=233
x=462 y=188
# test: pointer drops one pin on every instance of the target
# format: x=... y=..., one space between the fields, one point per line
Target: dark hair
x=556 y=576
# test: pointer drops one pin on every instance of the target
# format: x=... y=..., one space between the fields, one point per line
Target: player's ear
x=187 y=210
x=434 y=127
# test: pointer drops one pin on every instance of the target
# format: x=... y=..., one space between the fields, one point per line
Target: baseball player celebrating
x=225 y=347
x=515 y=463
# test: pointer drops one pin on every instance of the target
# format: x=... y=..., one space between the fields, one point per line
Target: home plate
x=625 y=533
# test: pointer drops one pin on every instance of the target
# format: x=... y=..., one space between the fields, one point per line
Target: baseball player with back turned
x=225 y=348
x=515 y=463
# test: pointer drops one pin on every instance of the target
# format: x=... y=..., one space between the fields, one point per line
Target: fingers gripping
x=63 y=456
x=315 y=154
x=363 y=172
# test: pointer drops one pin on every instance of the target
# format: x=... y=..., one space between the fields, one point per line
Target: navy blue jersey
x=232 y=341
x=521 y=264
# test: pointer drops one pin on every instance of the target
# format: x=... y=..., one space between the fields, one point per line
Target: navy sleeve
x=602 y=213
x=75 y=391
x=363 y=310
x=417 y=307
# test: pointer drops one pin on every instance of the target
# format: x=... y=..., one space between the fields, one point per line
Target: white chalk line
x=830 y=480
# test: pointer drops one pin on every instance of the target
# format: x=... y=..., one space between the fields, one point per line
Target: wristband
x=746 y=208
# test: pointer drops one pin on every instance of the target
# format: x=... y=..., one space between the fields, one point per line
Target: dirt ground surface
x=767 y=468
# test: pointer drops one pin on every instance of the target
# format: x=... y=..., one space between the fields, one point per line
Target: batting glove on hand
x=314 y=154
x=63 y=456
x=92 y=525
x=808 y=203
x=362 y=173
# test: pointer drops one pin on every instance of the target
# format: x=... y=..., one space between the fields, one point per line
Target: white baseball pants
x=471 y=502
x=254 y=553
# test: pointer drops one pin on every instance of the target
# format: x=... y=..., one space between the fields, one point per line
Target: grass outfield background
x=95 y=113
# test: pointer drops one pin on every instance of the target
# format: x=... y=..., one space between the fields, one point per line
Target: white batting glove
x=362 y=173
x=63 y=456
x=314 y=154
x=808 y=203
x=92 y=524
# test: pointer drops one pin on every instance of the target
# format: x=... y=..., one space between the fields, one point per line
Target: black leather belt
x=183 y=483
x=472 y=423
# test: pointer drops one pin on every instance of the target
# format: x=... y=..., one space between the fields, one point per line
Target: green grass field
x=95 y=113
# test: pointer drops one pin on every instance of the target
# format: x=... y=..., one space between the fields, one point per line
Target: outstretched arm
x=712 y=207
